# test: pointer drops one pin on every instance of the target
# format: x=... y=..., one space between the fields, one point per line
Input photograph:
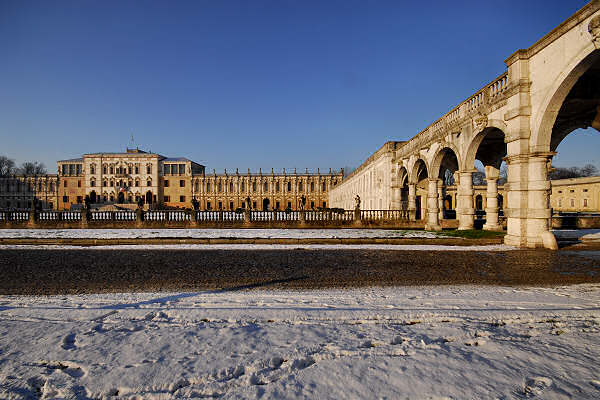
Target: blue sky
x=252 y=84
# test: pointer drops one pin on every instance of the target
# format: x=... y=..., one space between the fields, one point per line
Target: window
x=254 y=186
x=181 y=169
x=167 y=199
x=572 y=202
x=52 y=186
x=219 y=188
x=137 y=182
x=104 y=170
x=289 y=204
x=92 y=169
x=585 y=190
x=585 y=202
x=231 y=187
x=220 y=205
x=231 y=205
x=129 y=170
x=266 y=187
x=277 y=205
x=324 y=204
x=277 y=187
x=300 y=188
x=166 y=183
x=92 y=183
x=312 y=187
x=324 y=188
x=149 y=183
x=289 y=187
x=79 y=199
x=312 y=204
x=181 y=183
x=243 y=204
x=196 y=186
x=166 y=169
x=79 y=169
x=71 y=169
x=112 y=170
x=208 y=187
x=254 y=204
x=208 y=205
x=560 y=202
x=65 y=199
x=78 y=183
x=243 y=187
x=182 y=199
x=148 y=169
x=65 y=169
x=65 y=183
x=137 y=170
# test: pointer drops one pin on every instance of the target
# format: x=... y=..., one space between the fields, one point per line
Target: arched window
x=208 y=187
x=196 y=186
x=243 y=186
x=324 y=187
x=149 y=169
x=149 y=182
x=312 y=186
x=254 y=186
x=92 y=169
x=231 y=187
x=300 y=188
x=137 y=182
x=112 y=171
x=289 y=189
x=277 y=187
x=219 y=188
x=92 y=183
x=104 y=172
x=266 y=187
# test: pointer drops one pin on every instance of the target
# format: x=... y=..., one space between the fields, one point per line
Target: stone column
x=440 y=189
x=464 y=207
x=412 y=201
x=433 y=223
x=491 y=210
x=528 y=195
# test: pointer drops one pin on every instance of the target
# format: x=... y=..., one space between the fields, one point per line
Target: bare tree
x=7 y=166
x=573 y=172
x=479 y=177
x=32 y=168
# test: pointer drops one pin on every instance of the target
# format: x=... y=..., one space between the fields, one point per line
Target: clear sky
x=252 y=84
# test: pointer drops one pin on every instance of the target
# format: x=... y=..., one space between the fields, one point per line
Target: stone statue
x=357 y=201
x=248 y=202
x=594 y=30
x=302 y=202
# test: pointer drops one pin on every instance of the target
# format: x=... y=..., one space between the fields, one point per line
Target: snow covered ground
x=212 y=233
x=408 y=342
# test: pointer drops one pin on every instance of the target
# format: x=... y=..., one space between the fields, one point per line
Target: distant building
x=125 y=178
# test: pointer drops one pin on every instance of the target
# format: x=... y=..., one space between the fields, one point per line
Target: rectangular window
x=242 y=188
x=166 y=169
x=289 y=204
x=208 y=187
x=129 y=170
x=208 y=205
x=585 y=202
x=79 y=199
x=65 y=199
x=243 y=204
x=231 y=205
x=181 y=169
x=572 y=202
x=167 y=199
x=65 y=169
x=79 y=169
x=324 y=204
x=277 y=205
x=254 y=204
x=71 y=169
x=78 y=183
x=220 y=205
x=166 y=183
x=182 y=199
x=181 y=183
x=312 y=204
x=112 y=170
x=65 y=183
x=137 y=170
x=289 y=186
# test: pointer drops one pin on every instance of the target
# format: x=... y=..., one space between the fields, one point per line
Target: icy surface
x=580 y=234
x=430 y=342
x=212 y=233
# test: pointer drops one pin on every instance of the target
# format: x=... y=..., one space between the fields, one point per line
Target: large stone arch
x=541 y=133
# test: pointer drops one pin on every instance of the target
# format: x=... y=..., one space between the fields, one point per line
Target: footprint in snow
x=536 y=385
x=69 y=342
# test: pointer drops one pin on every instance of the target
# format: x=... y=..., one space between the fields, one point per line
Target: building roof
x=71 y=160
x=171 y=159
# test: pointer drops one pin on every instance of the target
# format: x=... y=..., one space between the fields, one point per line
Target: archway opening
x=574 y=137
x=121 y=198
x=266 y=203
x=421 y=179
x=149 y=197
x=446 y=163
x=93 y=197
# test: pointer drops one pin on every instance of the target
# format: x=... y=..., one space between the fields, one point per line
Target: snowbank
x=430 y=342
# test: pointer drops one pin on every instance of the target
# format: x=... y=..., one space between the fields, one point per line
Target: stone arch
x=495 y=133
x=448 y=156
x=542 y=132
x=419 y=171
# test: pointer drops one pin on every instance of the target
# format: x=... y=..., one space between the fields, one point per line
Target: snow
x=213 y=233
x=405 y=342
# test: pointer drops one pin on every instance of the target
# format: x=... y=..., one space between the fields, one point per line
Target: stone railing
x=489 y=95
x=191 y=218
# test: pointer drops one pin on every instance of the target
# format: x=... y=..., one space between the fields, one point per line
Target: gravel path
x=27 y=271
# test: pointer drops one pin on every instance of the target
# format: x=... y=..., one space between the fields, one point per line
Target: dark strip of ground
x=35 y=272
x=450 y=241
